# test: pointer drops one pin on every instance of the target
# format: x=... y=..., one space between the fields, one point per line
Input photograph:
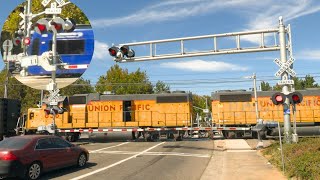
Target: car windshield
x=14 y=143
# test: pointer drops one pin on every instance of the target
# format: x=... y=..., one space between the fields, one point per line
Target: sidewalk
x=234 y=159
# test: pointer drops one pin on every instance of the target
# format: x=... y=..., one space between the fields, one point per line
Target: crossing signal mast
x=125 y=53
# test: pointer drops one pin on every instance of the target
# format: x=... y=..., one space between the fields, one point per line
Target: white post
x=285 y=88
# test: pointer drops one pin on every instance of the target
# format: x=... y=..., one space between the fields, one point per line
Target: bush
x=302 y=160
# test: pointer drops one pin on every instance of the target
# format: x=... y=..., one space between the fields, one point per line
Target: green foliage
x=265 y=86
x=161 y=87
x=299 y=84
x=307 y=82
x=200 y=102
x=120 y=81
x=301 y=159
x=17 y=90
x=80 y=86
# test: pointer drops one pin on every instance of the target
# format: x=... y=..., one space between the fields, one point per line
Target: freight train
x=236 y=109
x=145 y=114
x=170 y=115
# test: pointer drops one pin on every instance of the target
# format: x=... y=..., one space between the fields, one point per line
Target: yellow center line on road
x=108 y=147
x=117 y=163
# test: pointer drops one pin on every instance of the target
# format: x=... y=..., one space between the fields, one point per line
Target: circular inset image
x=48 y=45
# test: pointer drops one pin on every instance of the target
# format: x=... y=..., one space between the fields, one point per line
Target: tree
x=199 y=102
x=120 y=81
x=161 y=87
x=80 y=86
x=300 y=83
x=265 y=86
x=16 y=90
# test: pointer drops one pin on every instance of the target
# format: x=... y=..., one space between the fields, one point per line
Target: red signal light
x=41 y=27
x=295 y=97
x=278 y=98
x=27 y=41
x=57 y=26
x=113 y=51
x=17 y=41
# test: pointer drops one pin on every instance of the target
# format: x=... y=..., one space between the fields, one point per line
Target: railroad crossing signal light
x=126 y=51
x=42 y=26
x=26 y=41
x=278 y=98
x=116 y=53
x=47 y=111
x=54 y=110
x=113 y=51
x=17 y=41
x=295 y=98
x=119 y=53
x=57 y=25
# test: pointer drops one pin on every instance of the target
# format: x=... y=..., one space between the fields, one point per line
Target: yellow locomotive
x=95 y=111
x=237 y=109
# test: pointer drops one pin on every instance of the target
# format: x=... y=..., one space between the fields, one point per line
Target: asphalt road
x=141 y=160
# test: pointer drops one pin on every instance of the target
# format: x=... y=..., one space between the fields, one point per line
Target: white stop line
x=117 y=163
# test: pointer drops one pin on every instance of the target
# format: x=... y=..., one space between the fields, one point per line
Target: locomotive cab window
x=69 y=46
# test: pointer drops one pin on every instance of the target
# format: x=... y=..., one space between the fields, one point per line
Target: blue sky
x=143 y=20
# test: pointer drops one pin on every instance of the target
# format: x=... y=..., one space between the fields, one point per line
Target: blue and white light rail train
x=74 y=48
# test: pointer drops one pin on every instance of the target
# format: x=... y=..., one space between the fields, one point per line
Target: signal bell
x=278 y=98
x=70 y=25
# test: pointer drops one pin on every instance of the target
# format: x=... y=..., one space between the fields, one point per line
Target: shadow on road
x=65 y=171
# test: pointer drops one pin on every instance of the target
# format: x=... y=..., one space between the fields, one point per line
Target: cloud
x=260 y=14
x=308 y=54
x=100 y=50
x=268 y=18
x=204 y=66
x=168 y=11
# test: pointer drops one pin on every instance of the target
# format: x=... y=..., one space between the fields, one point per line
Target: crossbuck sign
x=285 y=67
x=53 y=9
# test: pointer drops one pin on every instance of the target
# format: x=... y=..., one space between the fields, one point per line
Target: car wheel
x=82 y=160
x=34 y=171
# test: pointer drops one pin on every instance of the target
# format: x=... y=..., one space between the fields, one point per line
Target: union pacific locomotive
x=95 y=111
x=233 y=114
x=237 y=109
